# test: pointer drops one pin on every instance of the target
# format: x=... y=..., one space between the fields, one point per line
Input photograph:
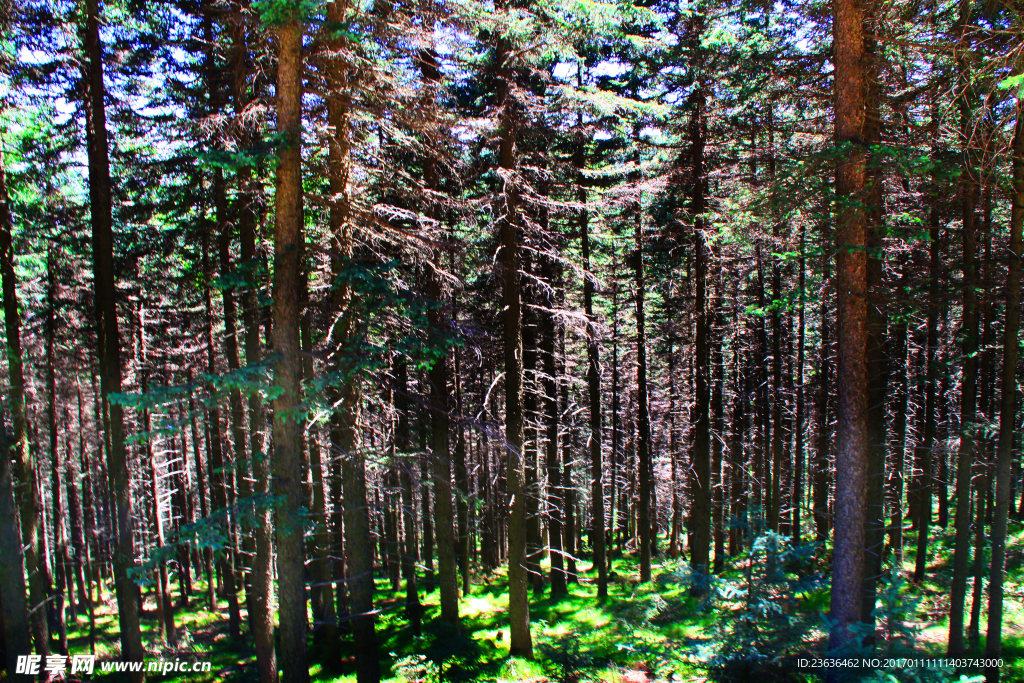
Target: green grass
x=653 y=627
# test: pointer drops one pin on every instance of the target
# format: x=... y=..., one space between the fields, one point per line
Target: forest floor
x=640 y=633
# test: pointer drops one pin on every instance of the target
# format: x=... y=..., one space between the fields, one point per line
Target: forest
x=431 y=341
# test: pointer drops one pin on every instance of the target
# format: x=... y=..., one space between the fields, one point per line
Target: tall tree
x=12 y=563
x=289 y=282
x=509 y=227
x=1008 y=408
x=969 y=379
x=110 y=341
x=851 y=287
x=597 y=534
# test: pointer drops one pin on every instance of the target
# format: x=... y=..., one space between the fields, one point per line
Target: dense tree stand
x=527 y=341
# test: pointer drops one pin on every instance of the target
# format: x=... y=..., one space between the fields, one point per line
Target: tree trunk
x=851 y=285
x=877 y=351
x=597 y=532
x=288 y=296
x=462 y=490
x=219 y=485
x=12 y=577
x=441 y=410
x=110 y=344
x=521 y=643
x=700 y=553
x=549 y=385
x=969 y=379
x=798 y=475
x=923 y=454
x=821 y=467
x=643 y=446
x=413 y=610
x=1008 y=412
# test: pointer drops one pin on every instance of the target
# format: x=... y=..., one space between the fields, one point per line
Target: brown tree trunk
x=568 y=489
x=549 y=385
x=521 y=643
x=440 y=414
x=1008 y=412
x=441 y=399
x=700 y=553
x=820 y=465
x=219 y=486
x=923 y=451
x=969 y=379
x=110 y=345
x=798 y=474
x=717 y=479
x=851 y=284
x=325 y=620
x=462 y=490
x=413 y=610
x=12 y=578
x=60 y=558
x=643 y=446
x=597 y=532
x=288 y=296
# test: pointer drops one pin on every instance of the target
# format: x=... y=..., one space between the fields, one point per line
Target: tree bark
x=110 y=345
x=851 y=285
x=288 y=296
x=12 y=577
x=597 y=532
x=521 y=643
x=969 y=378
x=643 y=446
x=1008 y=409
x=700 y=553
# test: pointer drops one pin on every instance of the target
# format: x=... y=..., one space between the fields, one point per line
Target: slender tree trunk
x=60 y=559
x=354 y=577
x=441 y=399
x=877 y=351
x=822 y=519
x=1008 y=412
x=969 y=379
x=521 y=643
x=925 y=447
x=851 y=284
x=413 y=610
x=597 y=532
x=440 y=415
x=205 y=501
x=325 y=620
x=798 y=475
x=462 y=490
x=110 y=346
x=259 y=603
x=700 y=553
x=288 y=297
x=219 y=484
x=717 y=479
x=987 y=405
x=643 y=446
x=12 y=558
x=12 y=577
x=24 y=477
x=549 y=385
x=978 y=570
x=568 y=487
x=531 y=434
x=675 y=533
